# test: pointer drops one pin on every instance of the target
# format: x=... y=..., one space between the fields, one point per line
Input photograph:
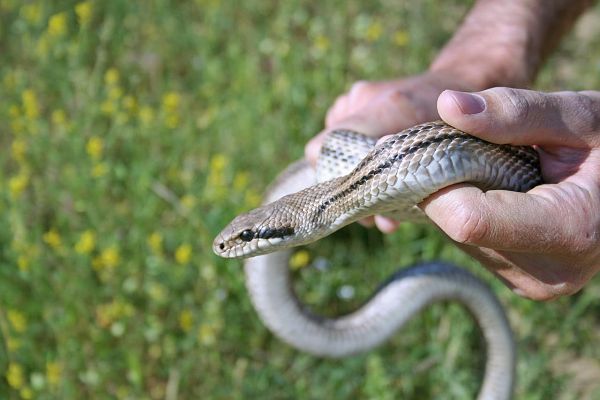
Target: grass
x=133 y=131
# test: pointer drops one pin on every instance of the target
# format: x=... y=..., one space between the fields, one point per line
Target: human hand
x=544 y=243
x=385 y=107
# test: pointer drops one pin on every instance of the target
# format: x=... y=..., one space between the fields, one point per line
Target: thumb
x=525 y=117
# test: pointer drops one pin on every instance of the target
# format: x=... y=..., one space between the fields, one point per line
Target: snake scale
x=356 y=178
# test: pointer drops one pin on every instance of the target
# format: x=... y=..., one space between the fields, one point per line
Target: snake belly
x=354 y=179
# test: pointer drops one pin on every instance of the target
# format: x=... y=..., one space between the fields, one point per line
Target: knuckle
x=338 y=107
x=330 y=117
x=543 y=293
x=399 y=96
x=339 y=103
x=549 y=292
x=468 y=226
x=586 y=106
x=582 y=239
x=362 y=86
x=584 y=243
x=551 y=284
x=515 y=105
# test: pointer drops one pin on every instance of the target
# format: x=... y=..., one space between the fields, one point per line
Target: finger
x=545 y=280
x=368 y=222
x=362 y=93
x=337 y=111
x=385 y=224
x=313 y=148
x=547 y=219
x=359 y=95
x=525 y=117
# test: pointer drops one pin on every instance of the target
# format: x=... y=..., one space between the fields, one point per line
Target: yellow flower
x=400 y=38
x=183 y=254
x=146 y=115
x=130 y=104
x=108 y=260
x=240 y=182
x=17 y=320
x=207 y=334
x=206 y=117
x=18 y=150
x=374 y=31
x=52 y=238
x=53 y=373
x=32 y=13
x=42 y=46
x=99 y=170
x=30 y=104
x=23 y=263
x=300 y=259
x=84 y=12
x=155 y=241
x=10 y=80
x=188 y=201
x=321 y=43
x=172 y=121
x=107 y=314
x=95 y=147
x=110 y=257
x=115 y=93
x=14 y=112
x=171 y=101
x=108 y=107
x=186 y=320
x=18 y=184
x=157 y=292
x=26 y=393
x=57 y=25
x=282 y=84
x=111 y=77
x=15 y=376
x=86 y=242
x=13 y=344
x=59 y=118
x=252 y=198
x=218 y=162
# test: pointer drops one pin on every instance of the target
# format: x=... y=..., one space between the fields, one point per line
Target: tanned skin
x=545 y=243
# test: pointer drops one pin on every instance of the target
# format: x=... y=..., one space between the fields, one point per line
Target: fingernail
x=468 y=103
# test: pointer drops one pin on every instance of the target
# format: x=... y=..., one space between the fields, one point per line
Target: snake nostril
x=222 y=245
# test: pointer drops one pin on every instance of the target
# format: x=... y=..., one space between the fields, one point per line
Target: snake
x=356 y=177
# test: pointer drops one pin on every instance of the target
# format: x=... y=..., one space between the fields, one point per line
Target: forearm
x=503 y=43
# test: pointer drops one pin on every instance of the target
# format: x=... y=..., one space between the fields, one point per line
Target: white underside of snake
x=357 y=179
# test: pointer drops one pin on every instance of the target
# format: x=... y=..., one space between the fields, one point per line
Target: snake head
x=257 y=232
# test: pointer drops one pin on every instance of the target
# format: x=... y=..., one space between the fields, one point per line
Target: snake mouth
x=234 y=248
x=239 y=249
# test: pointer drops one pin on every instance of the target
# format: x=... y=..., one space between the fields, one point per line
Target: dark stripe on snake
x=358 y=182
x=269 y=233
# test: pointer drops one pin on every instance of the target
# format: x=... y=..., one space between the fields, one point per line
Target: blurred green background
x=133 y=131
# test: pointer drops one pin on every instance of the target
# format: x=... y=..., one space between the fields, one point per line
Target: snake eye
x=247 y=235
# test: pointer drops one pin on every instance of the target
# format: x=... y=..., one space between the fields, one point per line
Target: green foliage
x=133 y=131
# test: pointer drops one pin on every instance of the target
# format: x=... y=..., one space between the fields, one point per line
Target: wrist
x=496 y=45
x=497 y=67
x=504 y=43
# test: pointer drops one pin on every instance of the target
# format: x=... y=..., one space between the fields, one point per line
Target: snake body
x=356 y=178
